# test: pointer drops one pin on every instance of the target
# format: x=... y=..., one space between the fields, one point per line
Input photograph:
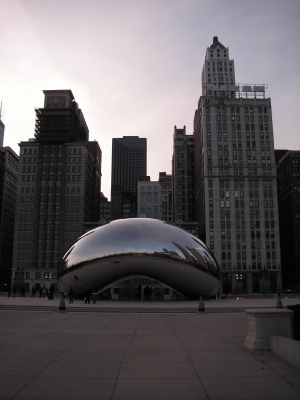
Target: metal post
x=279 y=302
x=201 y=308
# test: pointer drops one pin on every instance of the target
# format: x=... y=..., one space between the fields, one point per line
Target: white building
x=154 y=198
x=237 y=208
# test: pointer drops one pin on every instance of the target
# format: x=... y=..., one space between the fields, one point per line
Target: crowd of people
x=43 y=291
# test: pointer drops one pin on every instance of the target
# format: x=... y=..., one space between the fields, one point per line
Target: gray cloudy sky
x=134 y=66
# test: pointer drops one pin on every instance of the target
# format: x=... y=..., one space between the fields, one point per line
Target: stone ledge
x=264 y=322
x=286 y=348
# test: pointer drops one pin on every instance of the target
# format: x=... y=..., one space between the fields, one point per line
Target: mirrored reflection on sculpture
x=140 y=247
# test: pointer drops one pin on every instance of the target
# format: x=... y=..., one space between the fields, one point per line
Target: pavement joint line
x=73 y=344
x=182 y=345
x=117 y=378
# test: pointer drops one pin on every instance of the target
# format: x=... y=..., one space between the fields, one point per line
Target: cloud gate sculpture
x=140 y=247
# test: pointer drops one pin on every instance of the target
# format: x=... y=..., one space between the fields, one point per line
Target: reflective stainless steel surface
x=140 y=247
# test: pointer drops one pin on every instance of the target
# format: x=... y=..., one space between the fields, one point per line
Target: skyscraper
x=183 y=175
x=236 y=191
x=58 y=189
x=8 y=189
x=289 y=213
x=129 y=163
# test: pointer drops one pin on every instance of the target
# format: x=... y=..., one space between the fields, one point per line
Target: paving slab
x=116 y=356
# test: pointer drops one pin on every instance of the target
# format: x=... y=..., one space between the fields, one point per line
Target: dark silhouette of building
x=105 y=209
x=166 y=196
x=183 y=174
x=288 y=174
x=8 y=189
x=129 y=163
x=58 y=189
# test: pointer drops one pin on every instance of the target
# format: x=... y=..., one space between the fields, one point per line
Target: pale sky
x=134 y=66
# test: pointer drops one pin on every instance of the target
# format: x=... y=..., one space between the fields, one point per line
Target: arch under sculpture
x=140 y=247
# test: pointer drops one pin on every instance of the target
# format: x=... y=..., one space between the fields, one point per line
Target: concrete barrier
x=286 y=348
x=265 y=322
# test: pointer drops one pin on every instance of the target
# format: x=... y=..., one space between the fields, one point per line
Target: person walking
x=71 y=294
x=33 y=291
x=41 y=292
x=14 y=291
x=22 y=291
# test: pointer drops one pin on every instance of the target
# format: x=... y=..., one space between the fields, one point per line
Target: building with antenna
x=236 y=189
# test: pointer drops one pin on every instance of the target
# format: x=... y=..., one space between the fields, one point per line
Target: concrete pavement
x=112 y=355
x=228 y=305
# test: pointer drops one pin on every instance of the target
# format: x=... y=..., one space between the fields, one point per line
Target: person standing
x=150 y=293
x=51 y=291
x=33 y=291
x=146 y=292
x=71 y=294
x=87 y=295
x=139 y=289
x=14 y=291
x=22 y=291
x=94 y=296
x=41 y=292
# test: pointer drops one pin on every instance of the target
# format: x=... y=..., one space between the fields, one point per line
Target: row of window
x=234 y=127
x=243 y=255
x=237 y=118
x=239 y=172
x=237 y=110
x=223 y=135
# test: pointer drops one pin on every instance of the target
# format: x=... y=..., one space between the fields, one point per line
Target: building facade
x=183 y=174
x=154 y=198
x=129 y=164
x=288 y=172
x=105 y=208
x=148 y=199
x=166 y=196
x=236 y=190
x=58 y=190
x=8 y=189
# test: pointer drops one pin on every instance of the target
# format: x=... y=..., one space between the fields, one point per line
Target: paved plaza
x=123 y=355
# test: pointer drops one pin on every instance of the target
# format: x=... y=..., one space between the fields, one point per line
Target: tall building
x=236 y=191
x=8 y=189
x=183 y=175
x=129 y=163
x=288 y=172
x=2 y=128
x=58 y=189
x=166 y=196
